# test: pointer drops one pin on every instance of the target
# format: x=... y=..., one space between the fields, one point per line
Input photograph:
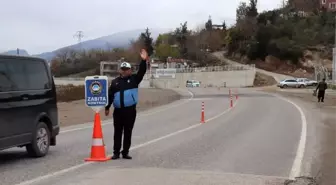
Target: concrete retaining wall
x=242 y=78
x=231 y=77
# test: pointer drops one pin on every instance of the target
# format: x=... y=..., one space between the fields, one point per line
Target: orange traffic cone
x=98 y=147
x=202 y=114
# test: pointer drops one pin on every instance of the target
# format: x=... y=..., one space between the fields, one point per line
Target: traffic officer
x=123 y=94
x=321 y=87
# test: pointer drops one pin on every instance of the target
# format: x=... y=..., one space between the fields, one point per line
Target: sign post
x=96 y=92
x=96 y=97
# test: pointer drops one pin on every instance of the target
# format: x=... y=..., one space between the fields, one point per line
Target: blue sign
x=96 y=91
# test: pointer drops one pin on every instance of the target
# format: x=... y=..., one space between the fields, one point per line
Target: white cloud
x=40 y=25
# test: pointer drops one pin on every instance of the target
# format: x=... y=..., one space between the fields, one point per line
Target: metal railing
x=213 y=68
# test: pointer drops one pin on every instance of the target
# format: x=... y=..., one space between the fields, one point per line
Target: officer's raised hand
x=144 y=54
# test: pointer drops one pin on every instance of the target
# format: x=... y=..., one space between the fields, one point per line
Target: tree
x=159 y=40
x=208 y=24
x=147 y=41
x=215 y=40
x=252 y=10
x=224 y=26
x=166 y=38
x=323 y=17
x=55 y=66
x=181 y=35
x=63 y=55
x=241 y=12
x=165 y=50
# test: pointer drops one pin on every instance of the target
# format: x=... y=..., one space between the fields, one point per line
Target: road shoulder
x=75 y=112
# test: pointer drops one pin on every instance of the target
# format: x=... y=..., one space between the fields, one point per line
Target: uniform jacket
x=322 y=86
x=123 y=91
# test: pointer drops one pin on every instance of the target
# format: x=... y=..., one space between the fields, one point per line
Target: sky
x=44 y=25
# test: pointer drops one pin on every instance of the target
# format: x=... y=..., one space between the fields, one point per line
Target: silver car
x=307 y=81
x=291 y=83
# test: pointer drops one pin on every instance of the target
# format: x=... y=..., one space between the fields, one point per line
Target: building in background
x=111 y=68
x=328 y=4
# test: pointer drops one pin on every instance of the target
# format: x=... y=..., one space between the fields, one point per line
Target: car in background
x=28 y=105
x=293 y=83
x=193 y=83
x=307 y=81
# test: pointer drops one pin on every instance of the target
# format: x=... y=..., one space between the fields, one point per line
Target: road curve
x=254 y=143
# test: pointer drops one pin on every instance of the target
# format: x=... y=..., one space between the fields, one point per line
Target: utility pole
x=79 y=35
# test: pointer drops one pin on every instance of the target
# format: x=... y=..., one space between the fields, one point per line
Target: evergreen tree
x=252 y=10
x=224 y=26
x=181 y=34
x=208 y=24
x=147 y=41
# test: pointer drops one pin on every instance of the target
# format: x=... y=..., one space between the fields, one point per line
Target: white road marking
x=54 y=174
x=198 y=99
x=140 y=115
x=296 y=168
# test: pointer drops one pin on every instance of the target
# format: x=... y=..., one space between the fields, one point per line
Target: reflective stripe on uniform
x=97 y=142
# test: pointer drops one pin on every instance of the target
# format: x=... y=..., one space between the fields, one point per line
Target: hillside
x=116 y=40
x=22 y=52
x=283 y=40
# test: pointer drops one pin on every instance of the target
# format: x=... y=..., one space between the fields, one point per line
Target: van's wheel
x=39 y=146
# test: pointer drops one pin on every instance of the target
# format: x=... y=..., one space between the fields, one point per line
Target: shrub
x=66 y=93
x=332 y=86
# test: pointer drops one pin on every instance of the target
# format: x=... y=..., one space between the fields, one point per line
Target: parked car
x=291 y=83
x=307 y=81
x=193 y=83
x=28 y=105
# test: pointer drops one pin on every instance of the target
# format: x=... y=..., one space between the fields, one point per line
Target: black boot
x=126 y=156
x=115 y=156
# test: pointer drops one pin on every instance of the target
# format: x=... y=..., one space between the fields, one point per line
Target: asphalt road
x=255 y=142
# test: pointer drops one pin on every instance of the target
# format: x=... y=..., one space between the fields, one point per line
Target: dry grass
x=72 y=109
x=263 y=80
x=66 y=93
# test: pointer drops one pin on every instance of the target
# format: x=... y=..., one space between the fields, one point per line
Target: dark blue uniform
x=321 y=87
x=123 y=94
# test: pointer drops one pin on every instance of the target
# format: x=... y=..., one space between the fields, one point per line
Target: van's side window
x=5 y=81
x=21 y=75
x=16 y=71
x=37 y=75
